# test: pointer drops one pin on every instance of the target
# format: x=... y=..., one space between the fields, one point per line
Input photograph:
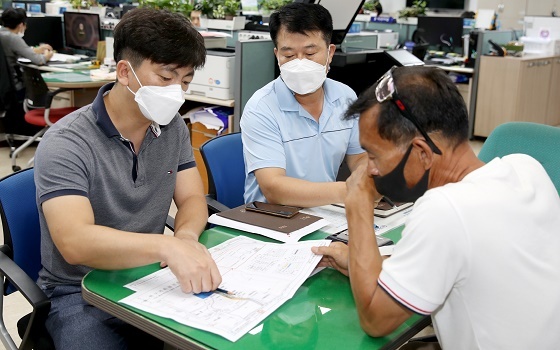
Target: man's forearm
x=103 y=247
x=364 y=258
x=302 y=193
x=192 y=216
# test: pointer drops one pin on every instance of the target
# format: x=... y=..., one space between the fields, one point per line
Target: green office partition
x=254 y=68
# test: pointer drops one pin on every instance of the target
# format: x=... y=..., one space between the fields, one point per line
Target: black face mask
x=393 y=184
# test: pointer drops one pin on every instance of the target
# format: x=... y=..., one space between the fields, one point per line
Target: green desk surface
x=321 y=315
x=67 y=77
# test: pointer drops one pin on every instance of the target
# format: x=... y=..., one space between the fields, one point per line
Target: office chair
x=7 y=96
x=536 y=140
x=37 y=104
x=20 y=259
x=223 y=158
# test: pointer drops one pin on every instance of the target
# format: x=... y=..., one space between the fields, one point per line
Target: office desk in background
x=83 y=88
x=321 y=315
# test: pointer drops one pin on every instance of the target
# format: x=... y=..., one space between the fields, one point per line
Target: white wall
x=392 y=6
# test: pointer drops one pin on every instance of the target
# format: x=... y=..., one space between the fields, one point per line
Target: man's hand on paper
x=193 y=265
x=334 y=255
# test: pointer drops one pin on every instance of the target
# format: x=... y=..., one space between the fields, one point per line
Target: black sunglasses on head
x=386 y=89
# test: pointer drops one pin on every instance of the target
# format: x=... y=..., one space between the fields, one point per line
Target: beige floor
x=15 y=305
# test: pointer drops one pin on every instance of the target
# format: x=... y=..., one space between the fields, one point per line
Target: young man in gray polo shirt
x=106 y=175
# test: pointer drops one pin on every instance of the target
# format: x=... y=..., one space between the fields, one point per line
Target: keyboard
x=343 y=237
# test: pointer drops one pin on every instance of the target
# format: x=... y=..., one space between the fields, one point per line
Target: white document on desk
x=336 y=215
x=60 y=57
x=262 y=276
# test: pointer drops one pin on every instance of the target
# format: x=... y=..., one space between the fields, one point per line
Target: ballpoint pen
x=220 y=290
x=231 y=295
x=390 y=202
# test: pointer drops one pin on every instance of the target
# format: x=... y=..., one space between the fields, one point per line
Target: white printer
x=215 y=79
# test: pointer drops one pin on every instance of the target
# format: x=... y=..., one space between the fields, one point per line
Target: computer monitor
x=82 y=30
x=46 y=29
x=113 y=3
x=441 y=31
x=442 y=4
x=19 y=5
x=34 y=7
x=373 y=64
x=343 y=14
x=127 y=8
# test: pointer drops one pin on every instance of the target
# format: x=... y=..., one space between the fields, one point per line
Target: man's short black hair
x=430 y=96
x=159 y=36
x=301 y=18
x=12 y=17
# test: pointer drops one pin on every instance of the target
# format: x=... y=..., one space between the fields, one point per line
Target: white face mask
x=158 y=103
x=21 y=34
x=304 y=76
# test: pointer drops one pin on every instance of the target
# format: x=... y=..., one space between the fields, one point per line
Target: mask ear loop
x=138 y=80
x=327 y=63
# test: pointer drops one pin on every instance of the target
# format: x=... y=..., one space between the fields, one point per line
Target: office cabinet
x=553 y=108
x=514 y=89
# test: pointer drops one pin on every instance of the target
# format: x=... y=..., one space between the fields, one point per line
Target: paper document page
x=60 y=57
x=336 y=215
x=261 y=276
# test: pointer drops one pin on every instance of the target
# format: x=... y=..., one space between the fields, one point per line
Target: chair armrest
x=170 y=223
x=21 y=281
x=31 y=291
x=214 y=206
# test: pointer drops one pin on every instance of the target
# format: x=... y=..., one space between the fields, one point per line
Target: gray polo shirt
x=84 y=154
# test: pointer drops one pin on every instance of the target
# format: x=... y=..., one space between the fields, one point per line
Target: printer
x=215 y=79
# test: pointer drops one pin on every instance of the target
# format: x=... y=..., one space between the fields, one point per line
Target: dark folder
x=271 y=222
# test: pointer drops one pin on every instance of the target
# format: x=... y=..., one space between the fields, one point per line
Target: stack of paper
x=260 y=277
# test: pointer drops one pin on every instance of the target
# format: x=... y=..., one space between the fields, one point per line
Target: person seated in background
x=106 y=175
x=11 y=38
x=293 y=131
x=195 y=18
x=479 y=252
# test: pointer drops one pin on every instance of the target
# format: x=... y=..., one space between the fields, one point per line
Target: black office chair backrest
x=7 y=87
x=36 y=89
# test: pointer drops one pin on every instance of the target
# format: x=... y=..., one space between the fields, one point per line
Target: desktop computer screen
x=46 y=30
x=82 y=30
x=442 y=32
x=441 y=4
x=35 y=8
x=343 y=14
